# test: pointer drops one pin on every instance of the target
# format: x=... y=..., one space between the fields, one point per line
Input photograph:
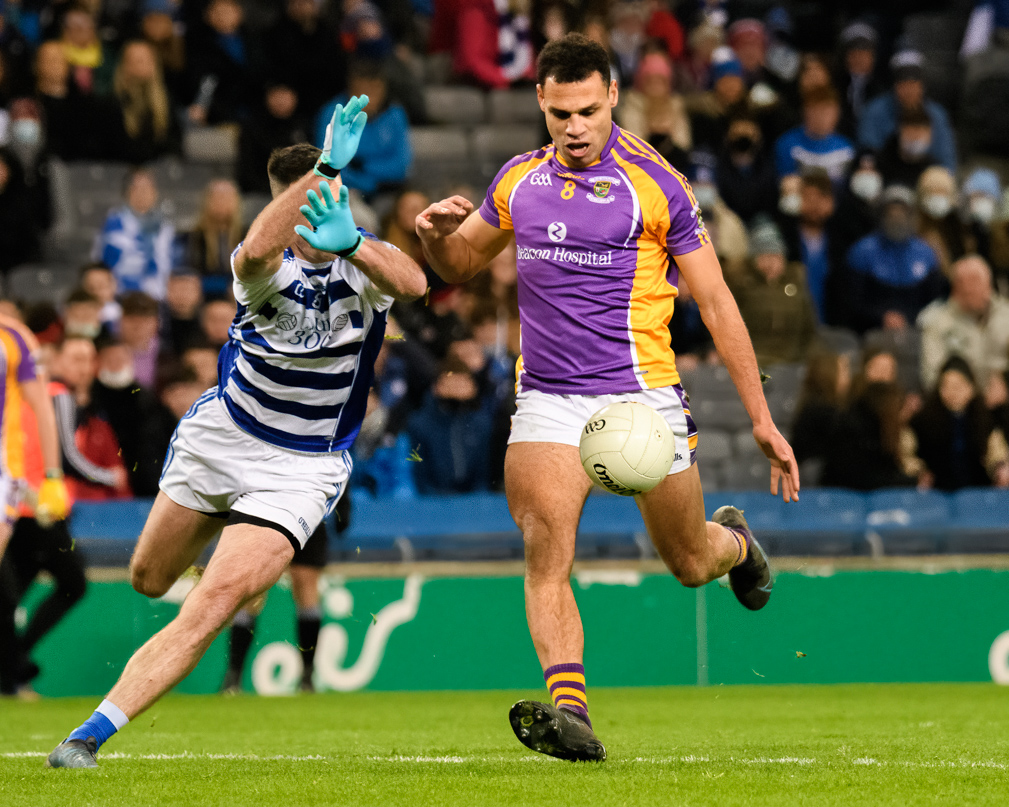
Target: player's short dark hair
x=571 y=59
x=138 y=304
x=818 y=178
x=289 y=164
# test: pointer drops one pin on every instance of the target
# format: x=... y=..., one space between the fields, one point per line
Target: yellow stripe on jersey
x=512 y=177
x=652 y=296
x=11 y=442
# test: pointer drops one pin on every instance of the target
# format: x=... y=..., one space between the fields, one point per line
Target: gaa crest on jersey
x=601 y=188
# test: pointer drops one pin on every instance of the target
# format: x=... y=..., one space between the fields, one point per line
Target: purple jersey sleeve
x=26 y=370
x=686 y=227
x=495 y=208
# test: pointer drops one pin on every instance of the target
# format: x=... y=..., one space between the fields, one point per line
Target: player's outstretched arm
x=721 y=315
x=333 y=230
x=270 y=234
x=456 y=244
x=53 y=499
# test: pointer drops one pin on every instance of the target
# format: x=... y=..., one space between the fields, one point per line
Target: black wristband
x=350 y=252
x=324 y=169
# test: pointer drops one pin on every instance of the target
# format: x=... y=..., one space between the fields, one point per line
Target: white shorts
x=545 y=417
x=214 y=467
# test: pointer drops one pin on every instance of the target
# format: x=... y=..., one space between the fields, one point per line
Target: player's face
x=579 y=117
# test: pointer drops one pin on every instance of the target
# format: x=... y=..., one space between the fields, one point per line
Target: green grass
x=762 y=745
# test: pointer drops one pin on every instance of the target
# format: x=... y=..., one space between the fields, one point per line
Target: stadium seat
x=717 y=445
x=97 y=176
x=494 y=145
x=172 y=174
x=729 y=414
x=710 y=381
x=182 y=207
x=94 y=206
x=824 y=509
x=839 y=340
x=909 y=521
x=981 y=507
x=465 y=106
x=438 y=143
x=784 y=379
x=743 y=444
x=747 y=473
x=437 y=68
x=216 y=145
x=514 y=106
x=711 y=475
x=36 y=283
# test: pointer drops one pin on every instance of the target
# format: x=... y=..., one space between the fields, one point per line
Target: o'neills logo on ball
x=609 y=482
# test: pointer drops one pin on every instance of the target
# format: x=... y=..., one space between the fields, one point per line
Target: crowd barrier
x=824 y=522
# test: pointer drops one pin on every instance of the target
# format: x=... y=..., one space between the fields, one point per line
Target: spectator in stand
x=90 y=64
x=858 y=81
x=892 y=274
x=881 y=115
x=62 y=105
x=489 y=42
x=628 y=19
x=774 y=300
x=865 y=451
x=596 y=30
x=208 y=246
x=727 y=233
x=973 y=323
x=436 y=325
x=138 y=328
x=906 y=155
x=20 y=229
x=981 y=194
x=748 y=38
x=135 y=416
x=822 y=402
x=92 y=459
x=864 y=188
x=158 y=28
x=451 y=432
x=216 y=320
x=654 y=112
x=816 y=240
x=939 y=222
x=383 y=157
x=688 y=335
x=181 y=325
x=98 y=280
x=695 y=71
x=400 y=229
x=711 y=112
x=27 y=144
x=82 y=316
x=222 y=65
x=178 y=393
x=816 y=144
x=957 y=436
x=663 y=26
x=305 y=55
x=136 y=241
x=146 y=113
x=277 y=123
x=747 y=181
x=16 y=54
x=201 y=358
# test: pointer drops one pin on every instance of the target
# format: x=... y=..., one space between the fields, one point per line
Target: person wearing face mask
x=881 y=115
x=957 y=436
x=727 y=232
x=746 y=179
x=865 y=184
x=981 y=193
x=891 y=273
x=82 y=315
x=906 y=154
x=973 y=323
x=939 y=222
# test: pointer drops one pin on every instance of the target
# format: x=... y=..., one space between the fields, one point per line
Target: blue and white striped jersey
x=301 y=358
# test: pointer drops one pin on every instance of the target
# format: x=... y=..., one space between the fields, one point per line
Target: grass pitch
x=761 y=745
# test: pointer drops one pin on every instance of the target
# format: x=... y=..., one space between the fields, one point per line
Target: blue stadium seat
x=899 y=508
x=981 y=507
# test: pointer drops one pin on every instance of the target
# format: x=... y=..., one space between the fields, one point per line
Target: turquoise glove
x=343 y=134
x=335 y=230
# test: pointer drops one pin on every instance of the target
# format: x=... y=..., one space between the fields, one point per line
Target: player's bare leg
x=305 y=591
x=171 y=541
x=698 y=551
x=546 y=489
x=248 y=560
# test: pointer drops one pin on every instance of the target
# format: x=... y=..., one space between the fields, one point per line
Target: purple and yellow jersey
x=596 y=282
x=18 y=366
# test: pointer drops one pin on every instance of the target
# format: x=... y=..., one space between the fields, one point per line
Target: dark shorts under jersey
x=315 y=552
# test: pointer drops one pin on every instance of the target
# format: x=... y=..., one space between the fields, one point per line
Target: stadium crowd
x=859 y=233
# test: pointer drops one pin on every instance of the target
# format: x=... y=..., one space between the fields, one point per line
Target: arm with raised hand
x=333 y=230
x=270 y=234
x=721 y=315
x=456 y=244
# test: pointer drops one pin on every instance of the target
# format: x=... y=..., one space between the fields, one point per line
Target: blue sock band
x=97 y=726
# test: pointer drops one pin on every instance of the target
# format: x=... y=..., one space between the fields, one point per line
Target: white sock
x=113 y=713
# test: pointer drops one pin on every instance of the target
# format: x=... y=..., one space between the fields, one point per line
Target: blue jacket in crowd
x=879 y=121
x=796 y=150
x=452 y=443
x=384 y=155
x=887 y=275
